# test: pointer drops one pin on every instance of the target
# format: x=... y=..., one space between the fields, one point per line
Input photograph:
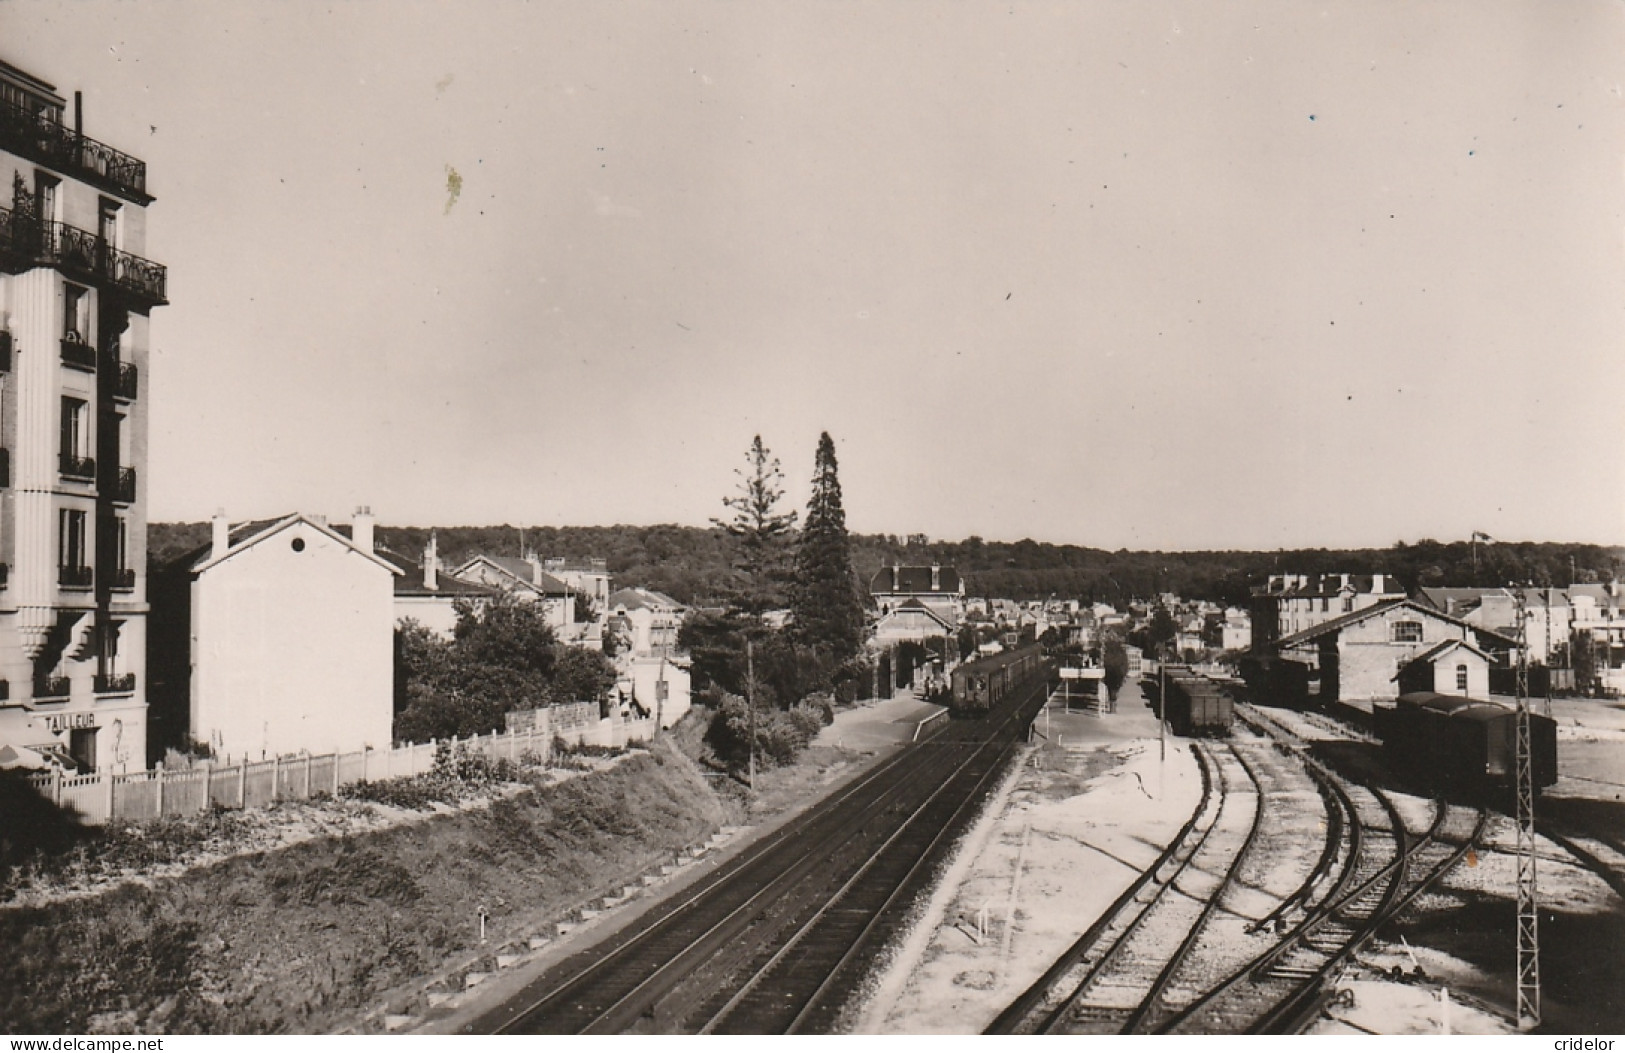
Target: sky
x=1128 y=275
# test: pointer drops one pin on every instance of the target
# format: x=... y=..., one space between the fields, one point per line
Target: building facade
x=1293 y=603
x=76 y=295
x=939 y=588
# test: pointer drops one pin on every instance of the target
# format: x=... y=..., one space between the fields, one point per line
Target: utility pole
x=750 y=704
x=1528 y=907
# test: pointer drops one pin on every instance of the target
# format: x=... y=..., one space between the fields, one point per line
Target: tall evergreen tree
x=824 y=607
x=760 y=528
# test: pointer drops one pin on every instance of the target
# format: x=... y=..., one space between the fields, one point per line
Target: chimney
x=220 y=534
x=361 y=528
x=936 y=578
x=896 y=578
x=431 y=564
x=535 y=568
x=1377 y=585
x=78 y=115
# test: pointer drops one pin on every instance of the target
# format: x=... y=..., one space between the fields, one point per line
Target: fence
x=158 y=792
x=579 y=724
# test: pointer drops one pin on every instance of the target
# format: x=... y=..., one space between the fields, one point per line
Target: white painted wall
x=292 y=650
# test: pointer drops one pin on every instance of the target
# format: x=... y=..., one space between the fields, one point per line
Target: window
x=1325 y=604
x=75 y=428
x=1461 y=679
x=1407 y=632
x=107 y=223
x=45 y=196
x=70 y=542
x=82 y=747
x=1348 y=604
x=76 y=314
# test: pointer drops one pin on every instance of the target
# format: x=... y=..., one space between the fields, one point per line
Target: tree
x=824 y=607
x=1114 y=660
x=1160 y=634
x=760 y=529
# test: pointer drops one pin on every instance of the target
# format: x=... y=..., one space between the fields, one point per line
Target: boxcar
x=1454 y=743
x=1196 y=704
x=981 y=684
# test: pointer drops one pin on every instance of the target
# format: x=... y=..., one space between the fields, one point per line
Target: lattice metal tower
x=1528 y=908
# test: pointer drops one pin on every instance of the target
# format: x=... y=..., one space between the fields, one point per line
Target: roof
x=522 y=573
x=897 y=580
x=410 y=582
x=246 y=535
x=1327 y=585
x=1355 y=617
x=1438 y=651
x=633 y=596
x=913 y=606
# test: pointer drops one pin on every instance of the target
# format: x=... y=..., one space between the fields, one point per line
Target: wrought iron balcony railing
x=77 y=467
x=29 y=242
x=124 y=487
x=53 y=143
x=52 y=687
x=128 y=379
x=123 y=579
x=77 y=353
x=75 y=577
x=114 y=683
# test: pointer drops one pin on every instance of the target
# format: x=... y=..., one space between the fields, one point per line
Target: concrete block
x=396 y=1021
x=587 y=913
x=538 y=942
x=438 y=998
x=507 y=961
x=475 y=979
x=564 y=928
x=651 y=880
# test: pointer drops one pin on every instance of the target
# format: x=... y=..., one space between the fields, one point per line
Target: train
x=1452 y=743
x=982 y=683
x=1197 y=704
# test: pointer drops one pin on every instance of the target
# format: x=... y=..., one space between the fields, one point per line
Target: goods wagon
x=1195 y=704
x=1450 y=742
x=981 y=684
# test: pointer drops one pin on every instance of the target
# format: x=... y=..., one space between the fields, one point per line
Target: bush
x=457 y=774
x=781 y=735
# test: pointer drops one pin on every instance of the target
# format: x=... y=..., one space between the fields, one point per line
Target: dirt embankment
x=298 y=939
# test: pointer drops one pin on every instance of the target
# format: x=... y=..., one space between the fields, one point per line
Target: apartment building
x=76 y=294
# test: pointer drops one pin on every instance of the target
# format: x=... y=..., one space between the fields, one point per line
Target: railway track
x=778 y=938
x=1231 y=969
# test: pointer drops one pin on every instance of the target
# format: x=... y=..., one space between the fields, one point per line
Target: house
x=657 y=685
x=648 y=620
x=1548 y=617
x=291 y=628
x=910 y=620
x=936 y=586
x=1451 y=667
x=525 y=580
x=429 y=596
x=586 y=577
x=1292 y=603
x=76 y=298
x=1360 y=654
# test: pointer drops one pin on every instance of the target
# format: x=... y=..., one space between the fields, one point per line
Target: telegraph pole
x=750 y=704
x=1528 y=908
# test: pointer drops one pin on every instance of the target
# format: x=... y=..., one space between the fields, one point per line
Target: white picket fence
x=155 y=793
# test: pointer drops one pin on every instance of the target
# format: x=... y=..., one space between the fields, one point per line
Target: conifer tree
x=762 y=530
x=824 y=607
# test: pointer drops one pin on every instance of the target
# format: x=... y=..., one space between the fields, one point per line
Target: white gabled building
x=292 y=638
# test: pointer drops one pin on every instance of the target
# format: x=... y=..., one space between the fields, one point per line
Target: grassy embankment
x=301 y=938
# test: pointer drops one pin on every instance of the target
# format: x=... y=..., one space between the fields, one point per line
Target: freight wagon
x=1453 y=743
x=981 y=684
x=1195 y=704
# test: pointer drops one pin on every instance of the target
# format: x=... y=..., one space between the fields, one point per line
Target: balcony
x=26 y=241
x=76 y=467
x=51 y=688
x=75 y=577
x=49 y=142
x=78 y=354
x=124 y=388
x=114 y=683
x=123 y=580
x=124 y=487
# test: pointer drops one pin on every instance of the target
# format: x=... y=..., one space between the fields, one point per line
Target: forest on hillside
x=700 y=565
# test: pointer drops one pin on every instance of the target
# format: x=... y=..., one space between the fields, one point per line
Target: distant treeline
x=698 y=565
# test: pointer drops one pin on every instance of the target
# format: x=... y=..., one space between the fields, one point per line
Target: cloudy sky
x=1122 y=274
